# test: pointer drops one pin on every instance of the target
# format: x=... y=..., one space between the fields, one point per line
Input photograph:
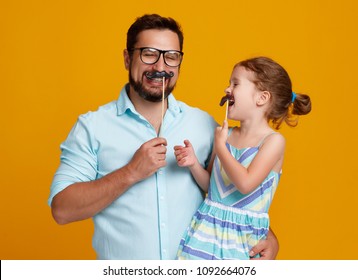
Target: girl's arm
x=247 y=179
x=185 y=156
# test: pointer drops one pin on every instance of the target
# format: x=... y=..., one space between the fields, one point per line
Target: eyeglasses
x=151 y=56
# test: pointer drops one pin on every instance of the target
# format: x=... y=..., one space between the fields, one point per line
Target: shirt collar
x=124 y=103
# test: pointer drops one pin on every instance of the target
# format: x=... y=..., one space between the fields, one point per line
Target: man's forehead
x=164 y=39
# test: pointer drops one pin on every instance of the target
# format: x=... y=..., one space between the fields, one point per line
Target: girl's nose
x=227 y=90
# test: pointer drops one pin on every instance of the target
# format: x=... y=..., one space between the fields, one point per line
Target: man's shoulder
x=103 y=110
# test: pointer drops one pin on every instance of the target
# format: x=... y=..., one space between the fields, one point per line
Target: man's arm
x=267 y=249
x=83 y=200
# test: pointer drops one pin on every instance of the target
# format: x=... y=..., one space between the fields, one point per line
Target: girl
x=246 y=163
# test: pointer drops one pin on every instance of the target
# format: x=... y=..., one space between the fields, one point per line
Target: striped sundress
x=228 y=224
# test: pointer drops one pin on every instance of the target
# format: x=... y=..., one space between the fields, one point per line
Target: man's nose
x=160 y=64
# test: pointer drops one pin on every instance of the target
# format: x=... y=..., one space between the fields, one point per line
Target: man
x=114 y=167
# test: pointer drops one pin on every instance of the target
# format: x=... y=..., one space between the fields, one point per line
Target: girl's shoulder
x=273 y=134
x=273 y=138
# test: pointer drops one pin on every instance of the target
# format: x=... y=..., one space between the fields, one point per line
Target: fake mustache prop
x=230 y=101
x=227 y=98
x=160 y=75
x=156 y=74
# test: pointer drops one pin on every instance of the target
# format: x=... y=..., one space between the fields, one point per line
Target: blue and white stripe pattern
x=228 y=223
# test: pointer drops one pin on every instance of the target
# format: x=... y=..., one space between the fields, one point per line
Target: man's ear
x=126 y=59
x=263 y=98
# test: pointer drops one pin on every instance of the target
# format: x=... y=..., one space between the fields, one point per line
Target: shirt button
x=161 y=197
x=162 y=225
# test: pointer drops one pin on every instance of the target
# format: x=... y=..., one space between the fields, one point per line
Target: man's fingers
x=161 y=149
x=257 y=249
x=158 y=141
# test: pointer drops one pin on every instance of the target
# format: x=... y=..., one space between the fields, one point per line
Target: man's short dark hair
x=153 y=21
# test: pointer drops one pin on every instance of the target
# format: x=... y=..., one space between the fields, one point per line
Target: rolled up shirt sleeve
x=78 y=158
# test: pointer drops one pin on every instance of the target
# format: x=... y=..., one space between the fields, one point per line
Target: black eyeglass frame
x=160 y=53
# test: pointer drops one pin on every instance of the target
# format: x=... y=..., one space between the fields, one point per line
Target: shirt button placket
x=163 y=210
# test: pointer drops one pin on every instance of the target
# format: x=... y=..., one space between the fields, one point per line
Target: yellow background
x=59 y=59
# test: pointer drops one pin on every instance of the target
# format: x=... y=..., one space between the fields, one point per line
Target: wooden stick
x=163 y=95
x=163 y=100
x=227 y=106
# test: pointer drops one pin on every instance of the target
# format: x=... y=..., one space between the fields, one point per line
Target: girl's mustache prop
x=230 y=101
x=227 y=98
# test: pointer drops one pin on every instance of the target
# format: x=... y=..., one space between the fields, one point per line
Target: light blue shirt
x=148 y=220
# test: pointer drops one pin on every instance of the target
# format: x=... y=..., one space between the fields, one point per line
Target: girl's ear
x=263 y=98
x=126 y=59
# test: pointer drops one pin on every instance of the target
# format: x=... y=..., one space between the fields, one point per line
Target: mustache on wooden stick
x=157 y=74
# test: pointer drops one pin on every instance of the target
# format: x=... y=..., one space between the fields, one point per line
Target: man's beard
x=146 y=94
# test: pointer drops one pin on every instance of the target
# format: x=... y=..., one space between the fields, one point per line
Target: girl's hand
x=221 y=134
x=185 y=155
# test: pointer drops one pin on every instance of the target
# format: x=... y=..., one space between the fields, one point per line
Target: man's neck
x=151 y=111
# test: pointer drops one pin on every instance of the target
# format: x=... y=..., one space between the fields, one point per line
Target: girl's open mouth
x=229 y=98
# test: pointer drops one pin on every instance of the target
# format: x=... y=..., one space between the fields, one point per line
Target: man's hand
x=148 y=158
x=267 y=249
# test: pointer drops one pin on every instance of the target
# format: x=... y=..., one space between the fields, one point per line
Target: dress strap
x=263 y=139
